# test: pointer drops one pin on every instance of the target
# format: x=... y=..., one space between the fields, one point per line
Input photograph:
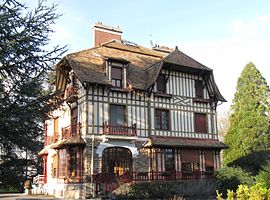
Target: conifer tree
x=249 y=120
x=26 y=57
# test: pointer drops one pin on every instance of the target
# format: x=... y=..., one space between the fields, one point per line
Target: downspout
x=93 y=142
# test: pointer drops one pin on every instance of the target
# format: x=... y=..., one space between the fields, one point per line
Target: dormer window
x=161 y=83
x=117 y=76
x=117 y=70
x=199 y=89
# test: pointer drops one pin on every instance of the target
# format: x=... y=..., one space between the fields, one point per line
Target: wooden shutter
x=190 y=156
x=200 y=123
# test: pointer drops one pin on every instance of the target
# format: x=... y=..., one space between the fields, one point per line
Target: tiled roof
x=144 y=64
x=185 y=142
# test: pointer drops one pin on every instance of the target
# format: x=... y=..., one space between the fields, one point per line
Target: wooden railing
x=109 y=181
x=71 y=131
x=153 y=176
x=39 y=179
x=72 y=93
x=49 y=139
x=109 y=129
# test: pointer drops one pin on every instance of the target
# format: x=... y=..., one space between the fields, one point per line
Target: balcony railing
x=39 y=179
x=109 y=129
x=51 y=139
x=72 y=93
x=72 y=131
x=108 y=181
x=153 y=176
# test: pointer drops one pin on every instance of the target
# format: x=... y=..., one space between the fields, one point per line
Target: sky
x=223 y=35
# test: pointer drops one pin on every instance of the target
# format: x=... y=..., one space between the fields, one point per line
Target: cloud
x=228 y=55
x=258 y=26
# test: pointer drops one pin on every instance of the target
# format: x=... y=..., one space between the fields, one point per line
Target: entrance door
x=116 y=160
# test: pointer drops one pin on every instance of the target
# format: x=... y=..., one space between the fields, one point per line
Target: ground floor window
x=169 y=160
x=116 y=160
x=190 y=167
x=73 y=162
x=62 y=163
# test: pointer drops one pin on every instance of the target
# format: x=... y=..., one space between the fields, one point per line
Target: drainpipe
x=93 y=142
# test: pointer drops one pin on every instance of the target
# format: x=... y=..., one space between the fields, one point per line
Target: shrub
x=27 y=184
x=228 y=178
x=264 y=175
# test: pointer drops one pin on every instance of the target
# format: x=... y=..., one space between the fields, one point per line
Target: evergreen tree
x=249 y=121
x=25 y=61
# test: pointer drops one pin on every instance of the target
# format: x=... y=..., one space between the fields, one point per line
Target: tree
x=25 y=61
x=223 y=123
x=249 y=120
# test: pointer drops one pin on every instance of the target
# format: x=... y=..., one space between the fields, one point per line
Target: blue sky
x=223 y=35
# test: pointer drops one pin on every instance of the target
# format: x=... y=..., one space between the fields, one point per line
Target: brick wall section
x=101 y=37
x=141 y=163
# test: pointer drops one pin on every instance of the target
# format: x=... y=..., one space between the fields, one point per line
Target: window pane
x=117 y=115
x=116 y=73
x=162 y=119
x=199 y=88
x=169 y=160
x=161 y=83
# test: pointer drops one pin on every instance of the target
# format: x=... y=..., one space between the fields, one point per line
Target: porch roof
x=185 y=142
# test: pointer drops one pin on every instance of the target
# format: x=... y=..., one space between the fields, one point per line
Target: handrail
x=109 y=129
x=71 y=131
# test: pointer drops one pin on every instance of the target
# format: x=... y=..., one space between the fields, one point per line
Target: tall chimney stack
x=103 y=33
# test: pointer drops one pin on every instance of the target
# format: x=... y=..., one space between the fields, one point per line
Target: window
x=74 y=120
x=199 y=89
x=200 y=123
x=62 y=163
x=117 y=115
x=73 y=162
x=190 y=167
x=169 y=160
x=116 y=76
x=161 y=83
x=162 y=119
x=116 y=160
x=54 y=166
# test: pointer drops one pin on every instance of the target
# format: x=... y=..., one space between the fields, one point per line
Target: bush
x=228 y=178
x=264 y=175
x=244 y=192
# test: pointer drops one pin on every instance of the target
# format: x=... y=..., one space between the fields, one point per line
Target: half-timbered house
x=129 y=113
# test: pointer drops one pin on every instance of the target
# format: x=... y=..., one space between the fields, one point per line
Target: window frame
x=157 y=111
x=161 y=84
x=197 y=123
x=199 y=89
x=169 y=159
x=117 y=79
x=110 y=113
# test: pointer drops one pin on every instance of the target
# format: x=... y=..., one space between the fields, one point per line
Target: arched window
x=117 y=160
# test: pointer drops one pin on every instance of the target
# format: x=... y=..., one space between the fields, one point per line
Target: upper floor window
x=117 y=114
x=199 y=89
x=117 y=76
x=161 y=83
x=162 y=119
x=200 y=123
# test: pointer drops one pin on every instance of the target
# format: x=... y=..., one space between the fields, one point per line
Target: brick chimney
x=103 y=33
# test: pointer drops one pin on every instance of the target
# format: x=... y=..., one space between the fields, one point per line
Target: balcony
x=119 y=130
x=49 y=139
x=71 y=136
x=72 y=131
x=72 y=93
